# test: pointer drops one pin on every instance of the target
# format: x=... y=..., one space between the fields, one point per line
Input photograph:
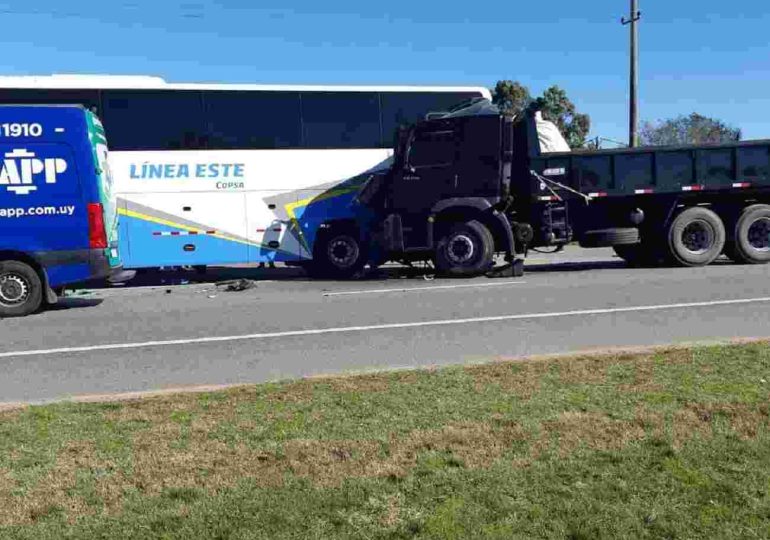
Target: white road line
x=433 y=288
x=391 y=326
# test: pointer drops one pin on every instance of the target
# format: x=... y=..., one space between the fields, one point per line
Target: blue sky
x=707 y=56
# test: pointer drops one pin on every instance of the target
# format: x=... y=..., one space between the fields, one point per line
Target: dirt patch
x=644 y=377
x=586 y=370
x=362 y=383
x=328 y=463
x=747 y=420
x=520 y=379
x=53 y=493
x=654 y=423
x=159 y=463
x=7 y=482
x=392 y=514
x=595 y=430
x=692 y=420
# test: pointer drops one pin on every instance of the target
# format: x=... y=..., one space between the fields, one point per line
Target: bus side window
x=153 y=119
x=257 y=120
x=13 y=96
x=341 y=120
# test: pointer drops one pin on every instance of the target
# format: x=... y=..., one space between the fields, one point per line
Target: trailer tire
x=752 y=236
x=21 y=289
x=696 y=237
x=609 y=237
x=466 y=250
x=337 y=254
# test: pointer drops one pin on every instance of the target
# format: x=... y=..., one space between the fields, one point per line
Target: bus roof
x=130 y=82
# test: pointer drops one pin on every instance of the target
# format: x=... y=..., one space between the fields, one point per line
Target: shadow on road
x=73 y=302
x=160 y=278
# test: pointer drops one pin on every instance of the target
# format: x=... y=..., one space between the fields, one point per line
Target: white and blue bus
x=209 y=174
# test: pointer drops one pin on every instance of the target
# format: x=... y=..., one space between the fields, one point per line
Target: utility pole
x=634 y=78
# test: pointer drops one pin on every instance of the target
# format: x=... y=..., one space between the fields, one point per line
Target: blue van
x=58 y=218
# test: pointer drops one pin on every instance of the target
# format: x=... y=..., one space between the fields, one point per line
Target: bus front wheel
x=337 y=255
x=21 y=290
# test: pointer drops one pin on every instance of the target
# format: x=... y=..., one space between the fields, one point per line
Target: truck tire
x=21 y=290
x=752 y=236
x=467 y=250
x=696 y=237
x=609 y=237
x=337 y=255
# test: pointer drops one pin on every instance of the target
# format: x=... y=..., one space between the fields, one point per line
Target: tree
x=692 y=129
x=556 y=107
x=513 y=97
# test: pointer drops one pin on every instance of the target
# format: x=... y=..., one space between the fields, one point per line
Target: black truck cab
x=470 y=183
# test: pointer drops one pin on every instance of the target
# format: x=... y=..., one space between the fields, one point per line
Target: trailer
x=469 y=183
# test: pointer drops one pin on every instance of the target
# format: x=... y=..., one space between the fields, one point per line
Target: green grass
x=674 y=444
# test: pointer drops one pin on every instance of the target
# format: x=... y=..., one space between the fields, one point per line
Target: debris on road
x=236 y=285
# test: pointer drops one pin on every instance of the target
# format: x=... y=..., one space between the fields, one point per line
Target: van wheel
x=696 y=237
x=467 y=250
x=752 y=236
x=21 y=291
x=337 y=255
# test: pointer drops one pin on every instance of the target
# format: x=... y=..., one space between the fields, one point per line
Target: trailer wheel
x=21 y=290
x=696 y=237
x=609 y=237
x=467 y=250
x=752 y=236
x=337 y=255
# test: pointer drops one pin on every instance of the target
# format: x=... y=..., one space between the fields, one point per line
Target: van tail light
x=97 y=236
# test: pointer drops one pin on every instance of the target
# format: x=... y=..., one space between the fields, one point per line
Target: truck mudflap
x=515 y=268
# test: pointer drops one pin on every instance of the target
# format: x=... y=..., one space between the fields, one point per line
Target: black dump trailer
x=684 y=205
x=472 y=182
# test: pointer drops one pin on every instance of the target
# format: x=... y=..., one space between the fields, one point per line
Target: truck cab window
x=432 y=149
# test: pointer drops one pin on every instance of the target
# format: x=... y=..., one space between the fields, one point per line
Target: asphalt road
x=155 y=337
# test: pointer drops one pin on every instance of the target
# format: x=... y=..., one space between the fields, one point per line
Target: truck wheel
x=696 y=237
x=752 y=236
x=337 y=255
x=467 y=250
x=21 y=291
x=609 y=237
